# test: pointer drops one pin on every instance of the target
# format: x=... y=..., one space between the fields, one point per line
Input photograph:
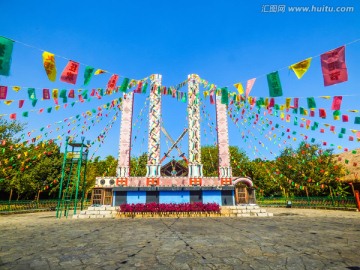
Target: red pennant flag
x=92 y=92
x=46 y=94
x=3 y=92
x=272 y=103
x=334 y=67
x=322 y=113
x=21 y=103
x=13 y=116
x=322 y=130
x=332 y=128
x=70 y=72
x=296 y=103
x=312 y=113
x=351 y=138
x=112 y=82
x=336 y=104
x=71 y=93
x=81 y=98
x=345 y=118
x=212 y=99
x=139 y=88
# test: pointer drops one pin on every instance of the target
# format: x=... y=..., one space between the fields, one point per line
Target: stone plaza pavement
x=292 y=239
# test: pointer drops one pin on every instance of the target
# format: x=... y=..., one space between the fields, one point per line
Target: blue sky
x=224 y=42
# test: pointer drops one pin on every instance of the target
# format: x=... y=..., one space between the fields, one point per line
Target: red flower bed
x=169 y=207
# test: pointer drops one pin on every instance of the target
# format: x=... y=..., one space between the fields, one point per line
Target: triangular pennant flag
x=70 y=72
x=112 y=82
x=16 y=88
x=224 y=96
x=99 y=71
x=46 y=93
x=6 y=48
x=274 y=84
x=249 y=86
x=334 y=67
x=336 y=104
x=49 y=65
x=8 y=102
x=3 y=91
x=31 y=93
x=71 y=93
x=25 y=114
x=12 y=116
x=124 y=85
x=88 y=74
x=300 y=68
x=21 y=103
x=239 y=88
x=311 y=103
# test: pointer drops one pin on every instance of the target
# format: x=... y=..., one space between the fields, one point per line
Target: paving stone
x=291 y=239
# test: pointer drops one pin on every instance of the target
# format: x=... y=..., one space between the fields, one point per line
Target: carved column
x=153 y=166
x=123 y=168
x=195 y=166
x=225 y=172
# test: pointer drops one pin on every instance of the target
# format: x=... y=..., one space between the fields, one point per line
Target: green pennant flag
x=65 y=100
x=144 y=88
x=276 y=107
x=31 y=93
x=33 y=102
x=25 y=114
x=89 y=71
x=184 y=98
x=124 y=85
x=63 y=93
x=72 y=104
x=49 y=109
x=224 y=96
x=357 y=120
x=302 y=111
x=295 y=121
x=311 y=103
x=6 y=48
x=84 y=94
x=101 y=91
x=274 y=84
x=343 y=130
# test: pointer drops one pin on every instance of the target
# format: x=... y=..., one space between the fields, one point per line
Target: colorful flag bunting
x=49 y=65
x=3 y=92
x=70 y=72
x=336 y=104
x=274 y=84
x=88 y=74
x=6 y=48
x=249 y=86
x=300 y=68
x=334 y=67
x=112 y=82
x=139 y=88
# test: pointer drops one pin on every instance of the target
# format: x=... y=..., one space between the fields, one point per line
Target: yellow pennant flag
x=326 y=97
x=239 y=87
x=300 y=68
x=287 y=103
x=206 y=93
x=57 y=107
x=8 y=102
x=49 y=65
x=99 y=71
x=16 y=88
x=355 y=111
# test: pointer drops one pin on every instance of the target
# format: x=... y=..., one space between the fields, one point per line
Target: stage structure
x=225 y=189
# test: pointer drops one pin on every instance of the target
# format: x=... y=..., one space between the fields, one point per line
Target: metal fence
x=309 y=202
x=29 y=206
